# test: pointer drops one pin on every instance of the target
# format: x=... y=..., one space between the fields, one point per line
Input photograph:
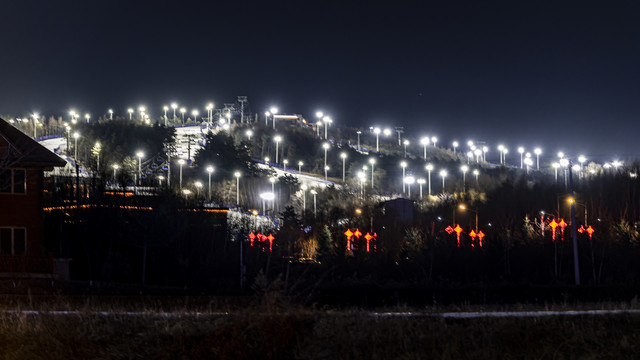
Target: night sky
x=559 y=76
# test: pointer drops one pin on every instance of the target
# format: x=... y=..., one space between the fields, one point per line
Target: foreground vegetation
x=302 y=334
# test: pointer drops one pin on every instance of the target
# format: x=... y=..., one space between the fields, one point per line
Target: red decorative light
x=581 y=229
x=553 y=225
x=458 y=230
x=349 y=235
x=357 y=234
x=368 y=237
x=449 y=229
x=562 y=225
x=271 y=238
x=590 y=231
x=473 y=237
x=480 y=237
x=252 y=236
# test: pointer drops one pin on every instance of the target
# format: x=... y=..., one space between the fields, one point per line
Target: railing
x=26 y=264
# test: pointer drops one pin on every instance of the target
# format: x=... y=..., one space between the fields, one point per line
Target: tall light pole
x=521 y=151
x=274 y=110
x=377 y=132
x=319 y=115
x=455 y=145
x=182 y=111
x=434 y=140
x=210 y=113
x=198 y=185
x=115 y=170
x=344 y=158
x=110 y=114
x=35 y=123
x=501 y=149
x=424 y=141
x=464 y=169
x=409 y=180
x=76 y=136
x=358 y=133
x=181 y=162
x=210 y=170
x=165 y=108
x=405 y=143
x=537 y=151
x=476 y=172
x=300 y=163
x=443 y=174
x=249 y=134
x=555 y=166
x=421 y=182
x=284 y=165
x=325 y=146
x=87 y=116
x=195 y=114
x=361 y=177
x=304 y=199
x=429 y=168
x=404 y=167
x=277 y=139
x=581 y=160
x=130 y=111
x=314 y=193
x=237 y=175
x=372 y=161
x=326 y=120
x=98 y=148
x=174 y=106
x=139 y=154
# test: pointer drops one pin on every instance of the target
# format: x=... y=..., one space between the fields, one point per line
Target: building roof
x=24 y=151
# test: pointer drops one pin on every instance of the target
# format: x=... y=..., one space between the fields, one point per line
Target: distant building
x=400 y=209
x=22 y=163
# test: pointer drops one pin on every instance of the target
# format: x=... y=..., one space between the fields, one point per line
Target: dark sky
x=560 y=76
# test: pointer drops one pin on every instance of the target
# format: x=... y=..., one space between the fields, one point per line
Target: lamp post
x=180 y=162
x=277 y=139
x=361 y=177
x=501 y=149
x=274 y=110
x=325 y=146
x=268 y=196
x=314 y=193
x=464 y=169
x=182 y=111
x=344 y=158
x=300 y=163
x=455 y=145
x=555 y=166
x=165 y=109
x=326 y=120
x=319 y=115
x=581 y=160
x=434 y=140
x=403 y=164
x=372 y=161
x=429 y=168
x=210 y=114
x=358 y=133
x=424 y=141
x=195 y=114
x=198 y=185
x=249 y=134
x=35 y=123
x=237 y=175
x=115 y=170
x=284 y=165
x=409 y=180
x=521 y=151
x=377 y=132
x=97 y=148
x=537 y=151
x=421 y=182
x=210 y=170
x=443 y=174
x=405 y=143
x=174 y=106
x=130 y=111
x=76 y=135
x=528 y=163
x=462 y=207
x=139 y=154
x=110 y=114
x=476 y=172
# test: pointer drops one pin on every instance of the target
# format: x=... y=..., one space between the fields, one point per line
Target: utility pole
x=242 y=100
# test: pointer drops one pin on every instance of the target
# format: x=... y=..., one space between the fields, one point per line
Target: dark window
x=5 y=180
x=13 y=181
x=13 y=241
x=5 y=241
x=19 y=181
x=19 y=241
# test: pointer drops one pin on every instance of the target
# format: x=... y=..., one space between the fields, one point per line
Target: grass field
x=271 y=328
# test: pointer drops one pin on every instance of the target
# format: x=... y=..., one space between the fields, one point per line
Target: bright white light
x=520 y=149
x=409 y=180
x=464 y=168
x=319 y=114
x=537 y=151
x=376 y=130
x=387 y=132
x=564 y=162
x=443 y=173
x=210 y=169
x=274 y=110
x=429 y=167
